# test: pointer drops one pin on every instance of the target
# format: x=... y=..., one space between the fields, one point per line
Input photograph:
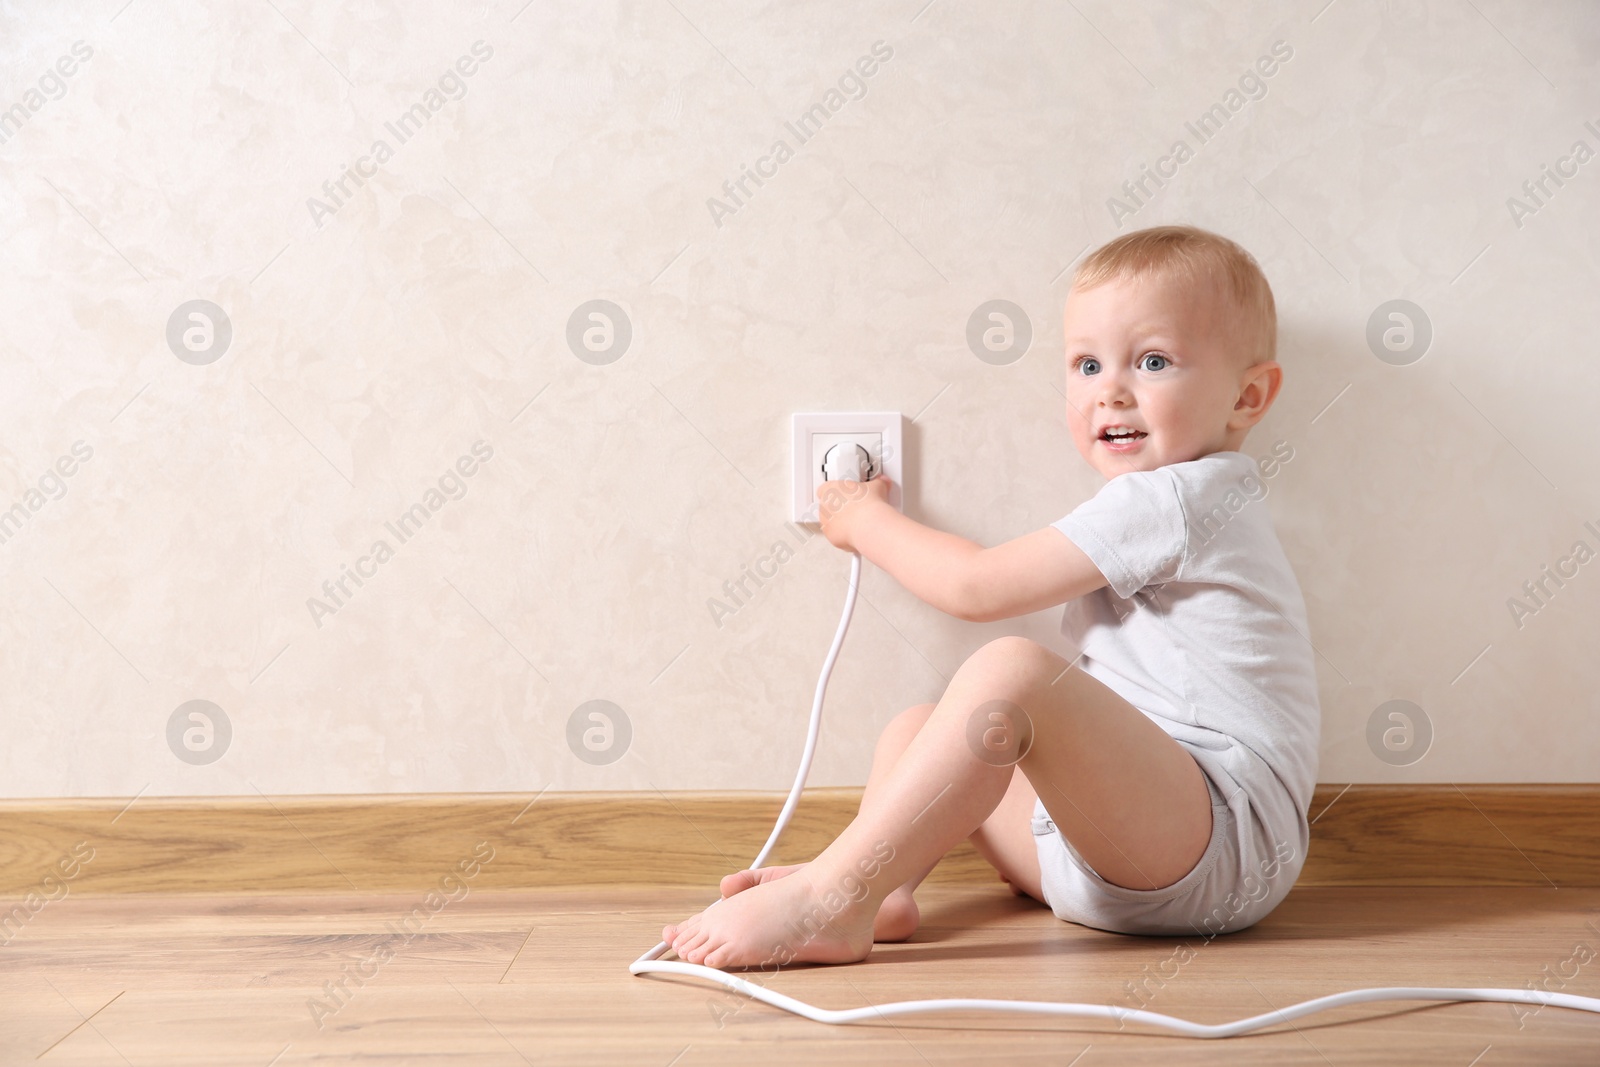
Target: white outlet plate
x=815 y=432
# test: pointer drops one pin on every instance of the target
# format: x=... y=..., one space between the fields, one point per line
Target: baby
x=1157 y=783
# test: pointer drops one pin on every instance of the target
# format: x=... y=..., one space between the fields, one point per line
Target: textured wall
x=395 y=215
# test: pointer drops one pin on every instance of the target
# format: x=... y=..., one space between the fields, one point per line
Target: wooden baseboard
x=1362 y=835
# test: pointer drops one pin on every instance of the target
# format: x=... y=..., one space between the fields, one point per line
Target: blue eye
x=1156 y=355
x=1082 y=361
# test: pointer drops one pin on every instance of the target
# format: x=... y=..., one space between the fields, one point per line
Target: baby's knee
x=1007 y=654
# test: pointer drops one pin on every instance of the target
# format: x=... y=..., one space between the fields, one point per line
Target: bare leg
x=897 y=919
x=1131 y=800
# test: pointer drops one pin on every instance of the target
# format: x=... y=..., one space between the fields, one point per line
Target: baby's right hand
x=843 y=506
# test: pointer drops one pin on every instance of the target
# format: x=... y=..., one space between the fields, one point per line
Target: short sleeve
x=1133 y=529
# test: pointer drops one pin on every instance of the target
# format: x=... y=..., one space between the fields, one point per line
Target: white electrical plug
x=847 y=462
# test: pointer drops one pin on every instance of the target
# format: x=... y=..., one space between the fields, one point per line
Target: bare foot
x=775 y=922
x=897 y=919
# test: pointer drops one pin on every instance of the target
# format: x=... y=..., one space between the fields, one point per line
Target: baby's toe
x=681 y=932
x=737 y=882
x=697 y=948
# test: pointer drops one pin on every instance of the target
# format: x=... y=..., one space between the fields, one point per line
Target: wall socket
x=815 y=432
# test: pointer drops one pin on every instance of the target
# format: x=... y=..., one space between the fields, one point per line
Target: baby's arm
x=960 y=577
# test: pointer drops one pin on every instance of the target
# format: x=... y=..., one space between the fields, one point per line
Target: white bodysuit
x=1202 y=627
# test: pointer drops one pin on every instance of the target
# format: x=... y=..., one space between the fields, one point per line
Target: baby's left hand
x=841 y=507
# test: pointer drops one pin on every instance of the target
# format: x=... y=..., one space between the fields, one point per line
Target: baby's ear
x=1259 y=389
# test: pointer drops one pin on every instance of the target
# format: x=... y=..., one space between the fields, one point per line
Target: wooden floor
x=540 y=977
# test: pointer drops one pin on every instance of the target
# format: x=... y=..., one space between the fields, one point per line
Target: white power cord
x=651 y=962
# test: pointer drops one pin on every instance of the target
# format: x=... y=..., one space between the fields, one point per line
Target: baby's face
x=1157 y=356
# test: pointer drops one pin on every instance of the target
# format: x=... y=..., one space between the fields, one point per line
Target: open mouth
x=1121 y=435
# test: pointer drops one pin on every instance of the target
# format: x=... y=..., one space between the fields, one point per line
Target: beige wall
x=375 y=340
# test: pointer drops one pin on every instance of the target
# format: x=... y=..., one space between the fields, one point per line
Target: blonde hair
x=1196 y=256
